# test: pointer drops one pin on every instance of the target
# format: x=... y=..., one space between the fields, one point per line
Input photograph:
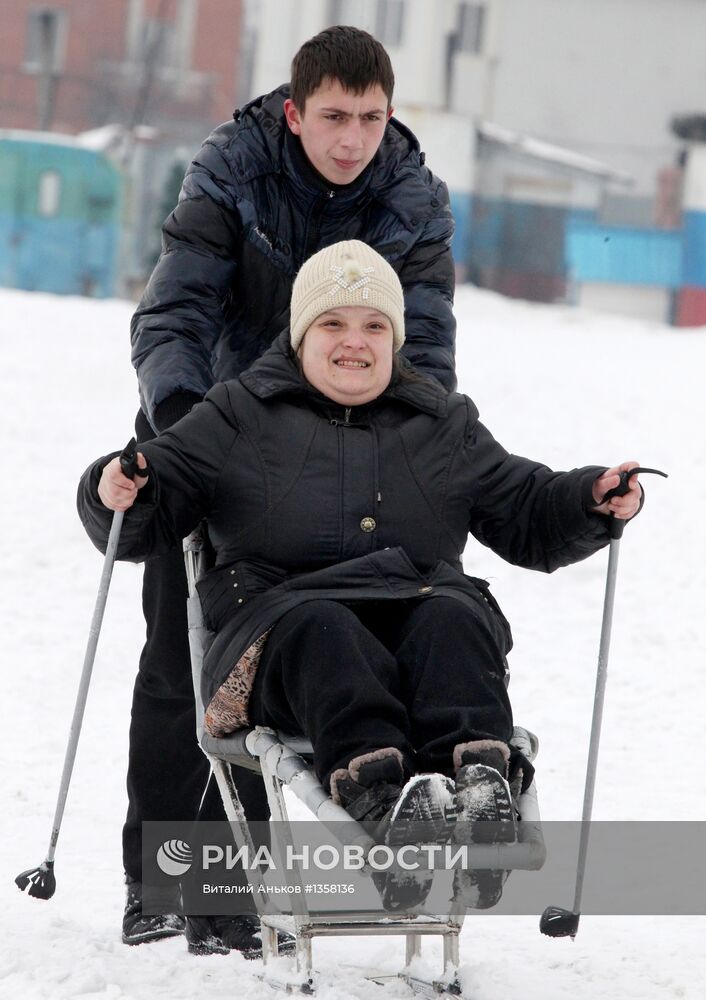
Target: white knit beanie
x=349 y=273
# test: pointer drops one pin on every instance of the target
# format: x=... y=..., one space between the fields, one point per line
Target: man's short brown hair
x=349 y=55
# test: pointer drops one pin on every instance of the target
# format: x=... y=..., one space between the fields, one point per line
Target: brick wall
x=100 y=81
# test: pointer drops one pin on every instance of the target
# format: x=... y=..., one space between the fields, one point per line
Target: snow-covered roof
x=31 y=135
x=99 y=139
x=541 y=150
x=107 y=136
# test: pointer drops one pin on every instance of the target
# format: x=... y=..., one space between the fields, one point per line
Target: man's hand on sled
x=115 y=490
x=622 y=507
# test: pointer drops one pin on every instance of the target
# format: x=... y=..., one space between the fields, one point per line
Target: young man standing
x=299 y=169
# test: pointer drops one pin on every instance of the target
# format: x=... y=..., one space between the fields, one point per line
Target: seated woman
x=340 y=487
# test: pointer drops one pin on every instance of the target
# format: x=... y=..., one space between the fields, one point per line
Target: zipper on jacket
x=377 y=494
x=314 y=229
x=346 y=422
x=376 y=466
x=341 y=492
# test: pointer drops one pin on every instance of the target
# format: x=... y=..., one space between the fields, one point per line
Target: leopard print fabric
x=228 y=709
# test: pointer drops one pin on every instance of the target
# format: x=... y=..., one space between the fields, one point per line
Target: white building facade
x=600 y=78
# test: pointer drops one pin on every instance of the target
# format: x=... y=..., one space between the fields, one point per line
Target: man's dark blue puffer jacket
x=252 y=209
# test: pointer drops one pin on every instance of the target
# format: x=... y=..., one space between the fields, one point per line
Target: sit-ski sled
x=285 y=761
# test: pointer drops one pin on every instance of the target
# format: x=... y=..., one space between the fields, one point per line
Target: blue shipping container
x=60 y=211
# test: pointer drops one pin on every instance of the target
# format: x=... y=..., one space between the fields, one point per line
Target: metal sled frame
x=282 y=761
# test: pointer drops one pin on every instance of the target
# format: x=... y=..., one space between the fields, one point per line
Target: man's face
x=339 y=130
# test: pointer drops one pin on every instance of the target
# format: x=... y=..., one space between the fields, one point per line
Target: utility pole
x=151 y=61
x=48 y=77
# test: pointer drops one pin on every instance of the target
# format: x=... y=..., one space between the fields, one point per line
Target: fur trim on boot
x=370 y=785
x=492 y=753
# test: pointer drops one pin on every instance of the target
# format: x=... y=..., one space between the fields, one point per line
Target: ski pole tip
x=558 y=922
x=39 y=882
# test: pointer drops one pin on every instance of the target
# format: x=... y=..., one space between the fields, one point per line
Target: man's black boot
x=221 y=935
x=139 y=928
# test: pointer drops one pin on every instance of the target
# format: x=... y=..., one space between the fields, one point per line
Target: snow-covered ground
x=566 y=386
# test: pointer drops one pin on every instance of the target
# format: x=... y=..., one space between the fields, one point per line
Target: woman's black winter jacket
x=307 y=499
x=252 y=209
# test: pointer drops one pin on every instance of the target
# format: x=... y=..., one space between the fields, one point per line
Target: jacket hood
x=260 y=129
x=276 y=373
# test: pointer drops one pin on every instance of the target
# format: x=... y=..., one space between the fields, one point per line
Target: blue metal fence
x=622 y=255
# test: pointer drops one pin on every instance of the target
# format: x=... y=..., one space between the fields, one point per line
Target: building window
x=45 y=43
x=49 y=194
x=184 y=33
x=471 y=28
x=339 y=12
x=157 y=45
x=389 y=27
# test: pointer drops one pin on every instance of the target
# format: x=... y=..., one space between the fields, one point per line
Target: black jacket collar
x=394 y=177
x=299 y=167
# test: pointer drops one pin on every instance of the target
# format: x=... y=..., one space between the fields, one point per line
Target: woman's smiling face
x=346 y=354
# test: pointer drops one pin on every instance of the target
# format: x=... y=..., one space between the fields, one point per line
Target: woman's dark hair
x=402 y=371
x=349 y=55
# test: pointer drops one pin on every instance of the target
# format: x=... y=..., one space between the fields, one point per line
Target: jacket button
x=425 y=590
x=368 y=524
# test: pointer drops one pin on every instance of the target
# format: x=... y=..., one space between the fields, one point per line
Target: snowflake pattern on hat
x=346 y=273
x=351 y=277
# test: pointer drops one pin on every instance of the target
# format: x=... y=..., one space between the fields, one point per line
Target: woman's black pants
x=420 y=675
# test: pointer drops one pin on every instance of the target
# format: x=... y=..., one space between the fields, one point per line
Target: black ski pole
x=40 y=882
x=557 y=921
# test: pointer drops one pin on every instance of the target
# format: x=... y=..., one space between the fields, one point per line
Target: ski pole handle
x=617 y=525
x=128 y=461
